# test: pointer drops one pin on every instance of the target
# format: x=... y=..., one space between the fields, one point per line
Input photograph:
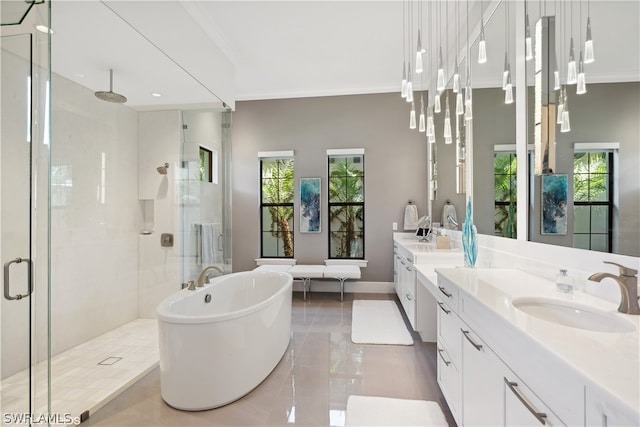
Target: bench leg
x=342 y=279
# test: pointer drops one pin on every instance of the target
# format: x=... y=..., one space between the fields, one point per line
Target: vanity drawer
x=448 y=329
x=448 y=292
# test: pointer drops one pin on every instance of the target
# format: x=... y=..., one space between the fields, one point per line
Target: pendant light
x=581 y=86
x=588 y=44
x=566 y=124
x=468 y=103
x=508 y=92
x=403 y=90
x=560 y=107
x=482 y=45
x=572 y=76
x=430 y=125
x=528 y=48
x=505 y=72
x=409 y=86
x=456 y=73
x=436 y=103
x=419 y=55
x=447 y=121
x=412 y=116
x=421 y=122
x=440 y=75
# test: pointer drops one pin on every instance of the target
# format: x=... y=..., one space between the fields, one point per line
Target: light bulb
x=403 y=91
x=527 y=40
x=436 y=102
x=482 y=45
x=581 y=87
x=412 y=117
x=459 y=104
x=572 y=76
x=440 y=79
x=588 y=44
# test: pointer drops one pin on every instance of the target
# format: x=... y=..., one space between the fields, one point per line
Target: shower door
x=24 y=89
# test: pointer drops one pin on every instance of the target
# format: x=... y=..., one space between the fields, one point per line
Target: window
x=505 y=191
x=593 y=200
x=276 y=207
x=206 y=165
x=346 y=204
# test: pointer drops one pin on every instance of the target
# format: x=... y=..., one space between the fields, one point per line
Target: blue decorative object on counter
x=469 y=238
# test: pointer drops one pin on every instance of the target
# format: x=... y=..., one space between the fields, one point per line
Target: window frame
x=290 y=205
x=609 y=203
x=354 y=153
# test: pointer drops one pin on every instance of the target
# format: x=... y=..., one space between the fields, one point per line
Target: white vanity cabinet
x=406 y=283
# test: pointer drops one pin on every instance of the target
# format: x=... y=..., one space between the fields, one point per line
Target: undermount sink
x=568 y=313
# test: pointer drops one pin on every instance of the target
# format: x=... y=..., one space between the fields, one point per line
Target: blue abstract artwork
x=310 y=205
x=554 y=204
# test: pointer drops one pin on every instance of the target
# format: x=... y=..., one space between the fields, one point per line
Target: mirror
x=597 y=161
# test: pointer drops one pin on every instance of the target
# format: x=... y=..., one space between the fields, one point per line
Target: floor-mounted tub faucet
x=628 y=282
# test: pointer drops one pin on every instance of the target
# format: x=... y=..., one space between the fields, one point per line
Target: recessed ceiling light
x=44 y=29
x=156 y=94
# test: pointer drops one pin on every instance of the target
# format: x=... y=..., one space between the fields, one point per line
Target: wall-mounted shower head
x=111 y=96
x=162 y=170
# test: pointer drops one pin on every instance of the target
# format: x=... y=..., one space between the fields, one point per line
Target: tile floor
x=310 y=385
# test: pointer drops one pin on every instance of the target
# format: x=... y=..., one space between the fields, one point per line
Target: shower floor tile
x=79 y=382
x=309 y=386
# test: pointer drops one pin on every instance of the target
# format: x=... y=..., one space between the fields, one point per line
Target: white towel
x=410 y=217
x=210 y=251
x=449 y=209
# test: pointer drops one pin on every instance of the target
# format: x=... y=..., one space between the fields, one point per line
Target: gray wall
x=395 y=168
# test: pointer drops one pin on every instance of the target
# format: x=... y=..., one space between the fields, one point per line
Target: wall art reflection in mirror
x=554 y=204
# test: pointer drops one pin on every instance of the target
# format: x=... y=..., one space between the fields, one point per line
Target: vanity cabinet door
x=482 y=381
x=602 y=412
x=523 y=408
x=449 y=382
x=409 y=295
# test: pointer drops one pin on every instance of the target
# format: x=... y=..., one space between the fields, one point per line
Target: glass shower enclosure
x=24 y=231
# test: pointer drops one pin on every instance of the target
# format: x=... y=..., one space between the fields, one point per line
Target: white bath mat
x=386 y=411
x=378 y=322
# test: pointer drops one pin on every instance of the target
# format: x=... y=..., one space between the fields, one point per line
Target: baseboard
x=355 y=286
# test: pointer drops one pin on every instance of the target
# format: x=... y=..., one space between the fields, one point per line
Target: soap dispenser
x=564 y=282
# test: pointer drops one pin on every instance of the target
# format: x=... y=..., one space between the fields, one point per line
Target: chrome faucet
x=628 y=282
x=199 y=281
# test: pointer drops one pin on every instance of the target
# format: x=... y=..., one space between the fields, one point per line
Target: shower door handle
x=7 y=281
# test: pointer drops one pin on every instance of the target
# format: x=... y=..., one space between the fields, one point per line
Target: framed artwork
x=554 y=204
x=309 y=205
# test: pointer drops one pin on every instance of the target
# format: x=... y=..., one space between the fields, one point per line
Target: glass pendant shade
x=409 y=86
x=560 y=106
x=468 y=104
x=556 y=79
x=505 y=73
x=482 y=46
x=581 y=87
x=459 y=104
x=403 y=90
x=430 y=125
x=588 y=44
x=412 y=117
x=432 y=138
x=437 y=107
x=566 y=124
x=508 y=92
x=440 y=79
x=418 y=62
x=528 y=51
x=572 y=76
x=456 y=80
x=447 y=120
x=421 y=122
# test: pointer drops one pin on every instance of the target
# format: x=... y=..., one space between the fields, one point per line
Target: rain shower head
x=111 y=96
x=162 y=170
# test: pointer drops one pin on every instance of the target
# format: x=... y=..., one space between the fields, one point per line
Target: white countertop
x=610 y=360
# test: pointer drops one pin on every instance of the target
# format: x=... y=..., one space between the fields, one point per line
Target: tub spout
x=628 y=282
x=203 y=274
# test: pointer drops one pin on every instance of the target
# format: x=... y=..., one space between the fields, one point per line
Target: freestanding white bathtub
x=212 y=353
